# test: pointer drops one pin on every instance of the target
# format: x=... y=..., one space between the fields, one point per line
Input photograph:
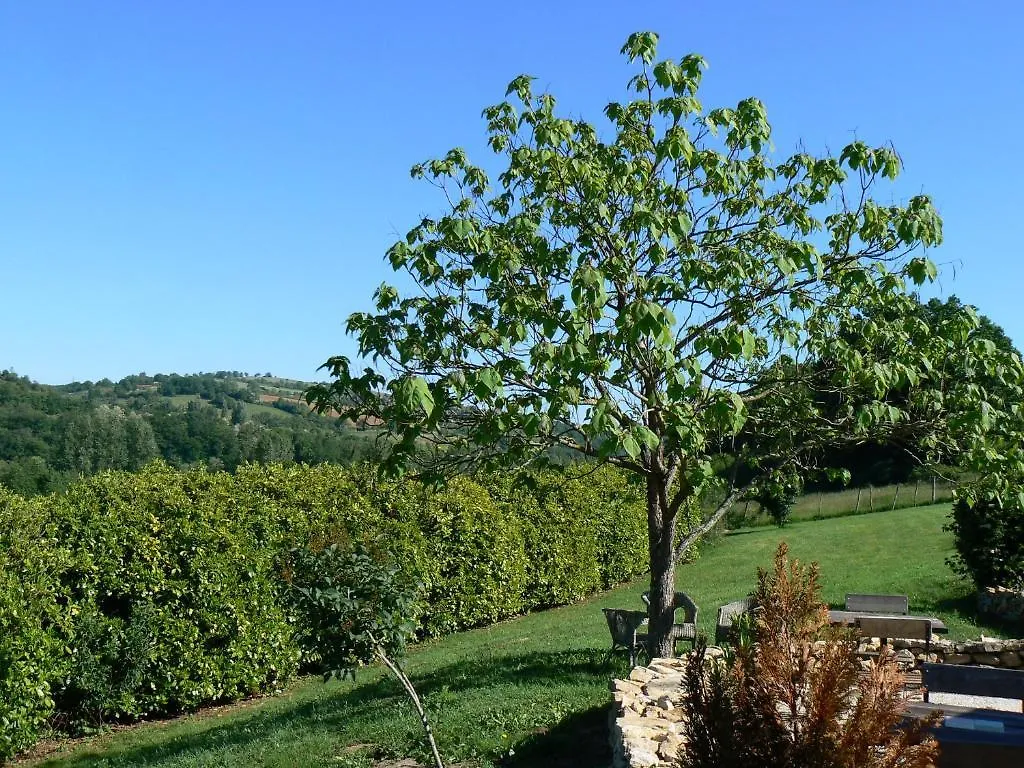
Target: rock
x=1009 y=659
x=626 y=686
x=985 y=659
x=957 y=658
x=640 y=674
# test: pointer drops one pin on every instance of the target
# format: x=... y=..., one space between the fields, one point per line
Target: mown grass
x=534 y=691
x=852 y=501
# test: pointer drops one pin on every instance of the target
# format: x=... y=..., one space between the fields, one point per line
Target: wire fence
x=820 y=505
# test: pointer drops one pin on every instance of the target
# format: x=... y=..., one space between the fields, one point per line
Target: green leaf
x=630 y=446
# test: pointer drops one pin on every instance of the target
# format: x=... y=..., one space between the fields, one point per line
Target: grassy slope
x=534 y=691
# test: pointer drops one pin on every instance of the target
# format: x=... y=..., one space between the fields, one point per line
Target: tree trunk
x=660 y=533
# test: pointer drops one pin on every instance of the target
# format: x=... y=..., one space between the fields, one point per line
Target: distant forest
x=51 y=435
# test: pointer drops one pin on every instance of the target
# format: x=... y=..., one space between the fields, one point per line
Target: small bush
x=350 y=603
x=988 y=533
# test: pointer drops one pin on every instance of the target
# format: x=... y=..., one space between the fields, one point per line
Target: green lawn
x=534 y=691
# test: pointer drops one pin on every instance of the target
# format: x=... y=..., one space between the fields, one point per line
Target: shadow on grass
x=561 y=744
x=966 y=606
x=578 y=741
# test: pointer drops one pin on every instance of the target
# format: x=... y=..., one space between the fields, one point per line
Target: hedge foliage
x=988 y=532
x=139 y=594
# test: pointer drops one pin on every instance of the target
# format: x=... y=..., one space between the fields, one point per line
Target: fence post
x=894 y=498
x=933 y=489
x=859 y=490
x=821 y=495
x=871 y=498
x=917 y=487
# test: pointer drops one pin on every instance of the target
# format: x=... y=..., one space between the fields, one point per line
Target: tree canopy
x=644 y=291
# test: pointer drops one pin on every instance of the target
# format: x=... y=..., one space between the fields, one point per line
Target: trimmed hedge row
x=133 y=595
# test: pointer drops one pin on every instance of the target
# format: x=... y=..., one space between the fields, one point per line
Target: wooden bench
x=905 y=627
x=973 y=681
x=897 y=605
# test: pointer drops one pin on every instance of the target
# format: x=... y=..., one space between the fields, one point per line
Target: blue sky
x=191 y=186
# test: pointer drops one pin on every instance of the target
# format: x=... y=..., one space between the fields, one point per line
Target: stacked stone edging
x=646 y=718
x=646 y=728
x=986 y=651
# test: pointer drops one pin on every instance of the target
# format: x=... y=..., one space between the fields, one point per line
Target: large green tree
x=636 y=293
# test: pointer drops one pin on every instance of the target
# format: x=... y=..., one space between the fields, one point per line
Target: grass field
x=534 y=691
x=851 y=501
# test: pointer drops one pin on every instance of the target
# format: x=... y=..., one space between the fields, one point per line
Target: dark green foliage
x=50 y=436
x=989 y=537
x=349 y=602
x=777 y=497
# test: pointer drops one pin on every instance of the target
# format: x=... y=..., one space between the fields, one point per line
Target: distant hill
x=50 y=435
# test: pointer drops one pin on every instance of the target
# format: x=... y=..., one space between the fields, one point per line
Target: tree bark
x=409 y=689
x=660 y=533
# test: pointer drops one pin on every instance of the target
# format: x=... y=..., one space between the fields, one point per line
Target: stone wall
x=1001 y=603
x=985 y=651
x=646 y=728
x=646 y=719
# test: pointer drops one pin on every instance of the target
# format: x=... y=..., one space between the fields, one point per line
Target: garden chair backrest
x=894 y=604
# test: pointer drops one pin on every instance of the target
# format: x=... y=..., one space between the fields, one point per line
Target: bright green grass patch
x=182 y=401
x=534 y=691
x=854 y=501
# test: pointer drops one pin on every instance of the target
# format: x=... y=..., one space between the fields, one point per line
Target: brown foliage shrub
x=794 y=696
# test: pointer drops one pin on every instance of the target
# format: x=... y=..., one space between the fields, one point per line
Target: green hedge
x=133 y=595
x=28 y=605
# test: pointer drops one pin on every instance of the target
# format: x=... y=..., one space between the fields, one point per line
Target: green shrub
x=175 y=604
x=28 y=606
x=351 y=602
x=988 y=533
x=472 y=562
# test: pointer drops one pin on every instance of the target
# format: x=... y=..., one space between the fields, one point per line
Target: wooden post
x=894 y=498
x=933 y=489
x=871 y=498
x=859 y=490
x=917 y=487
x=821 y=494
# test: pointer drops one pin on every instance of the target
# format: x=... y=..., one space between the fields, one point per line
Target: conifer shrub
x=794 y=696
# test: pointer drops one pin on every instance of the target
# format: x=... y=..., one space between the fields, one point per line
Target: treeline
x=141 y=594
x=49 y=436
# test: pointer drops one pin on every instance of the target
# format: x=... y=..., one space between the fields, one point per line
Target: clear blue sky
x=191 y=186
